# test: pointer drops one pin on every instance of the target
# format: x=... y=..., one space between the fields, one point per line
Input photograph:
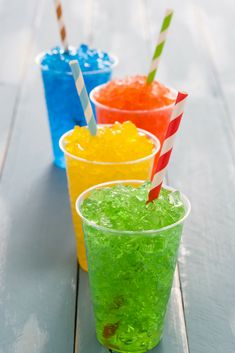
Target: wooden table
x=44 y=307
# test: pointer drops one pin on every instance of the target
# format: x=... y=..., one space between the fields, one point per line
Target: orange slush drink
x=148 y=106
x=117 y=152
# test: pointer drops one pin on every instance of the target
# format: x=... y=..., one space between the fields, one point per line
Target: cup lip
x=130 y=232
x=155 y=140
x=85 y=73
x=137 y=111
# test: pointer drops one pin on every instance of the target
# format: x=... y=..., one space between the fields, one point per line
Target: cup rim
x=130 y=232
x=155 y=140
x=137 y=111
x=85 y=73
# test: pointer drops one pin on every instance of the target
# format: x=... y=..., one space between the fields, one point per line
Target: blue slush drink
x=63 y=105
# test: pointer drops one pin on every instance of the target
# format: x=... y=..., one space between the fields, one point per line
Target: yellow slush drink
x=117 y=152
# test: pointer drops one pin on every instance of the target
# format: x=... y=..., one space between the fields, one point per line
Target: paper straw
x=59 y=15
x=167 y=146
x=160 y=45
x=82 y=92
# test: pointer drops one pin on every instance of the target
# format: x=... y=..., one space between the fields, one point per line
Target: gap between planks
x=75 y=343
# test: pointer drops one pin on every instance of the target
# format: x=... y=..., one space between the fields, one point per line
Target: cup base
x=115 y=350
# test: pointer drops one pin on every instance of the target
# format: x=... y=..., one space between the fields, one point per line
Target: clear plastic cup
x=155 y=120
x=63 y=104
x=82 y=174
x=130 y=275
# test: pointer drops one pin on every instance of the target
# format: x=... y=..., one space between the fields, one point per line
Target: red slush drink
x=148 y=106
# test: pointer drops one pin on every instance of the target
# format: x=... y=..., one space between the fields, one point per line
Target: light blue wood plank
x=120 y=27
x=202 y=166
x=206 y=174
x=38 y=268
x=15 y=36
x=126 y=33
x=215 y=23
x=38 y=263
x=8 y=95
x=19 y=22
x=16 y=30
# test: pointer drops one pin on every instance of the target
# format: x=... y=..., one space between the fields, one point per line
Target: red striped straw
x=62 y=29
x=159 y=172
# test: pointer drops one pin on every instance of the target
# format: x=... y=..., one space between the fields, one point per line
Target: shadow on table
x=42 y=229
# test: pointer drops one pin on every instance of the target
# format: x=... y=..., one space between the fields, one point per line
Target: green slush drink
x=132 y=251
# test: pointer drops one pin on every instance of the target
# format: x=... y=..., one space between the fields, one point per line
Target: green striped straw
x=82 y=93
x=160 y=45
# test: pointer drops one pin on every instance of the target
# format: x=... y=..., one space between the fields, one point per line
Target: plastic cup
x=130 y=275
x=82 y=174
x=155 y=120
x=63 y=104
